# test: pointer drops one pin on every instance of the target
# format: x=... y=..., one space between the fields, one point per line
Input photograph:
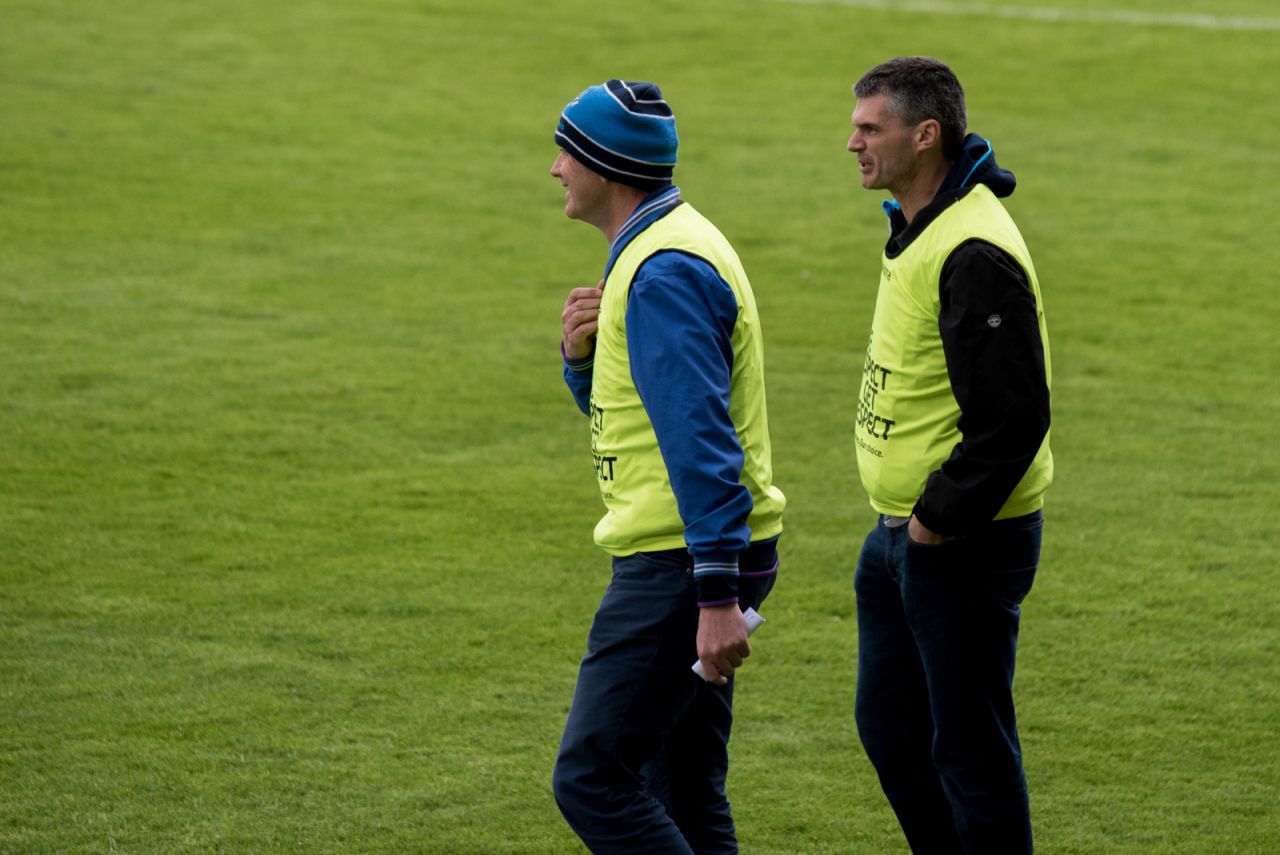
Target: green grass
x=295 y=512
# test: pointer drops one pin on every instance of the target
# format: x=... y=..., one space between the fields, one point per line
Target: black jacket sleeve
x=995 y=359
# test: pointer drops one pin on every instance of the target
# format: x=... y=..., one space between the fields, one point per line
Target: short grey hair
x=919 y=88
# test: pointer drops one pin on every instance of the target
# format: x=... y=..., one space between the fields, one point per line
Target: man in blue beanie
x=665 y=356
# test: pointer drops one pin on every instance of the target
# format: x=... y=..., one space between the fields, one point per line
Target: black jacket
x=999 y=381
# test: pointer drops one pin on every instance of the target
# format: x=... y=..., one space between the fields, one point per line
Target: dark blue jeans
x=643 y=759
x=937 y=637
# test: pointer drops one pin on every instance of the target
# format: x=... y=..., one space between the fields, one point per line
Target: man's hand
x=578 y=322
x=917 y=532
x=722 y=642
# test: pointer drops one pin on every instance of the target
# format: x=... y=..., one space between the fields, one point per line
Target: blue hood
x=977 y=165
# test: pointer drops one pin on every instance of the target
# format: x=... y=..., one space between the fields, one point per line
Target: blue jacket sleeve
x=577 y=376
x=679 y=320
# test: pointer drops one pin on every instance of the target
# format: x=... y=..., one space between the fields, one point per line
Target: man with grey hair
x=953 y=450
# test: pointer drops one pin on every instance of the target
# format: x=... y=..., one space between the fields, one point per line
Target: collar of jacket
x=975 y=165
x=654 y=207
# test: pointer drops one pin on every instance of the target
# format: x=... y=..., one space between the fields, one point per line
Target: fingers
x=716 y=675
x=578 y=330
x=725 y=663
x=572 y=319
x=582 y=307
x=722 y=641
x=584 y=294
x=576 y=316
x=725 y=671
x=579 y=321
x=584 y=299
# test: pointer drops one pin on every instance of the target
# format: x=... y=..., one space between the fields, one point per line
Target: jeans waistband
x=891 y=521
x=760 y=556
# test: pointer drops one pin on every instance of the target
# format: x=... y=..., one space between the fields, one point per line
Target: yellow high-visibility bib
x=907 y=414
x=641 y=508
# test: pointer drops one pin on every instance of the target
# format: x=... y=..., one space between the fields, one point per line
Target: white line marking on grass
x=1102 y=16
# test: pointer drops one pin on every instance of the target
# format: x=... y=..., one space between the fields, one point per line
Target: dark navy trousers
x=644 y=756
x=937 y=636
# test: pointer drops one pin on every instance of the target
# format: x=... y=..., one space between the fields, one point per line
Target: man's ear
x=928 y=134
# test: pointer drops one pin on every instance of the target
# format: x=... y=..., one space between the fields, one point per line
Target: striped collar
x=655 y=206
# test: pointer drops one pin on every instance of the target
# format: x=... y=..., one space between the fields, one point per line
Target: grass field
x=295 y=511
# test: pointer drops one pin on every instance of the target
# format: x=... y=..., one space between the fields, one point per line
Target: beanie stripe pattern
x=622 y=130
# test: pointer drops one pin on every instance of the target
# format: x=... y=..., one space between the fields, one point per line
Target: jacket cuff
x=577 y=364
x=937 y=525
x=715 y=575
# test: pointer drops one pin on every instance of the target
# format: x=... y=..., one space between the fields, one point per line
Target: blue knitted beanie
x=622 y=130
